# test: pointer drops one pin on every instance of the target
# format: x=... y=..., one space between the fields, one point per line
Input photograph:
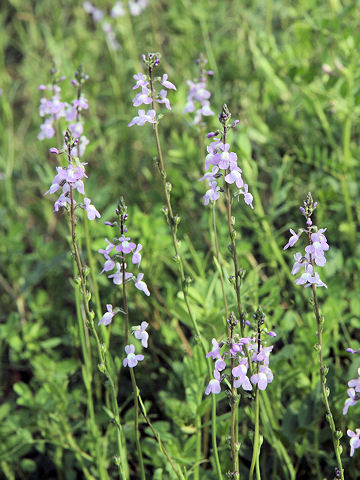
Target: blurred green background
x=289 y=71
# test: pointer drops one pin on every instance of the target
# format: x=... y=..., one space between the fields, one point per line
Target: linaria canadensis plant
x=198 y=99
x=151 y=96
x=226 y=170
x=315 y=256
x=114 y=254
x=70 y=180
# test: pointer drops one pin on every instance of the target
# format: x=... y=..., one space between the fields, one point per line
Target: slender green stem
x=256 y=446
x=136 y=423
x=177 y=472
x=336 y=435
x=173 y=223
x=132 y=374
x=325 y=390
x=217 y=252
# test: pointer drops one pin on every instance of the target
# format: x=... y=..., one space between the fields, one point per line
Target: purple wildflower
x=354 y=440
x=136 y=258
x=293 y=239
x=165 y=83
x=214 y=384
x=143 y=117
x=141 y=334
x=131 y=359
x=108 y=316
x=90 y=209
x=262 y=378
x=215 y=352
x=314 y=250
x=140 y=285
x=241 y=379
x=198 y=96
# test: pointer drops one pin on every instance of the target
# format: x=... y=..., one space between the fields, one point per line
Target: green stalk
x=256 y=446
x=178 y=474
x=136 y=414
x=173 y=223
x=336 y=435
x=132 y=374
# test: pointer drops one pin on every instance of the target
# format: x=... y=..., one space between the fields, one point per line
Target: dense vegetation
x=290 y=72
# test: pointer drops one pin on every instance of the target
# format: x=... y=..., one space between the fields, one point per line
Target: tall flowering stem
x=150 y=96
x=68 y=180
x=225 y=167
x=314 y=256
x=122 y=218
x=115 y=250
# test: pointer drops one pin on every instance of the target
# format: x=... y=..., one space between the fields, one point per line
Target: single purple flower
x=143 y=117
x=351 y=350
x=262 y=378
x=293 y=239
x=165 y=83
x=354 y=440
x=214 y=384
x=215 y=352
x=131 y=360
x=241 y=380
x=118 y=275
x=140 y=285
x=140 y=81
x=125 y=246
x=220 y=364
x=108 y=316
x=136 y=258
x=90 y=209
x=141 y=334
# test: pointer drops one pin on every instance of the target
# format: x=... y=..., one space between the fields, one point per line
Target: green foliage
x=298 y=131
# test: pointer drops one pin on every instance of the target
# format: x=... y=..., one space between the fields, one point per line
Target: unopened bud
x=101 y=367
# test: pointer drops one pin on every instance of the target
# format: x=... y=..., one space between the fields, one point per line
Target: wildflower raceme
x=69 y=179
x=225 y=169
x=314 y=251
x=53 y=109
x=238 y=350
x=198 y=99
x=148 y=93
x=115 y=254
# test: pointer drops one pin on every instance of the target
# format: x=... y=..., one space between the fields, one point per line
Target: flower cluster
x=148 y=94
x=314 y=251
x=353 y=393
x=118 y=10
x=141 y=334
x=239 y=350
x=53 y=109
x=220 y=158
x=354 y=396
x=198 y=96
x=69 y=179
x=115 y=257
